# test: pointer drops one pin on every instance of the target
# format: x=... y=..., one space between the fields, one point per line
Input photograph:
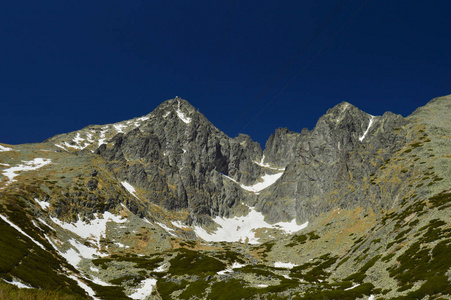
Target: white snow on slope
x=235 y=265
x=26 y=166
x=354 y=286
x=145 y=290
x=267 y=181
x=44 y=205
x=168 y=229
x=3 y=148
x=182 y=116
x=372 y=297
x=262 y=164
x=179 y=224
x=94 y=229
x=129 y=188
x=85 y=251
x=84 y=286
x=60 y=146
x=369 y=125
x=119 y=127
x=279 y=264
x=102 y=139
x=21 y=231
x=162 y=268
x=17 y=283
x=100 y=282
x=241 y=228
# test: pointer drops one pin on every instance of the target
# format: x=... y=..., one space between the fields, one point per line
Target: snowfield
x=31 y=165
x=244 y=228
x=369 y=126
x=4 y=149
x=21 y=231
x=95 y=229
x=266 y=181
x=279 y=264
x=145 y=289
x=130 y=188
x=182 y=116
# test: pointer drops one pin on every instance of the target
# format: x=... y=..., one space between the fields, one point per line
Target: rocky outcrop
x=181 y=162
x=179 y=159
x=332 y=163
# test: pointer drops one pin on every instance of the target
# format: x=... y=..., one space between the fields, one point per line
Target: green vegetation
x=165 y=288
x=314 y=271
x=442 y=200
x=352 y=294
x=231 y=289
x=8 y=291
x=20 y=257
x=194 y=289
x=141 y=262
x=189 y=262
x=422 y=263
x=302 y=239
x=360 y=275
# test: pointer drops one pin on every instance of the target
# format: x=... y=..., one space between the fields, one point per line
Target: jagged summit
x=166 y=206
x=93 y=136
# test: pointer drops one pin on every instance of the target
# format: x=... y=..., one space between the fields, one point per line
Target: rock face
x=180 y=161
x=166 y=206
x=179 y=158
x=330 y=164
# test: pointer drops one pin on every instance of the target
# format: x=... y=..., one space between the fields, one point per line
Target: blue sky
x=68 y=64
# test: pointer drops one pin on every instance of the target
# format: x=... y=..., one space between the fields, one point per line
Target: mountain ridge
x=171 y=186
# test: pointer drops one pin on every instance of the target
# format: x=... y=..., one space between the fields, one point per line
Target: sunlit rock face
x=166 y=206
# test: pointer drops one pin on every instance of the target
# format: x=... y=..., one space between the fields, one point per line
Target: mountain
x=167 y=206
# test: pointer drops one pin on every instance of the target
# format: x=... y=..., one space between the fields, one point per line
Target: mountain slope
x=168 y=206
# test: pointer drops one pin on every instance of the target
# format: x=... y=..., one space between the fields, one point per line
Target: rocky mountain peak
x=165 y=206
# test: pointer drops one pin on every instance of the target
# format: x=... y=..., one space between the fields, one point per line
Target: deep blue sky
x=68 y=64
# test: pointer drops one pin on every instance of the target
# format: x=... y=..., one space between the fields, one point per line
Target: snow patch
x=161 y=268
x=94 y=229
x=17 y=283
x=44 y=205
x=26 y=166
x=354 y=286
x=369 y=125
x=119 y=127
x=288 y=265
x=100 y=282
x=178 y=224
x=182 y=116
x=84 y=286
x=267 y=181
x=243 y=228
x=21 y=231
x=145 y=289
x=129 y=188
x=60 y=146
x=372 y=297
x=168 y=230
x=4 y=149
x=235 y=265
x=262 y=164
x=102 y=138
x=85 y=251
x=262 y=285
